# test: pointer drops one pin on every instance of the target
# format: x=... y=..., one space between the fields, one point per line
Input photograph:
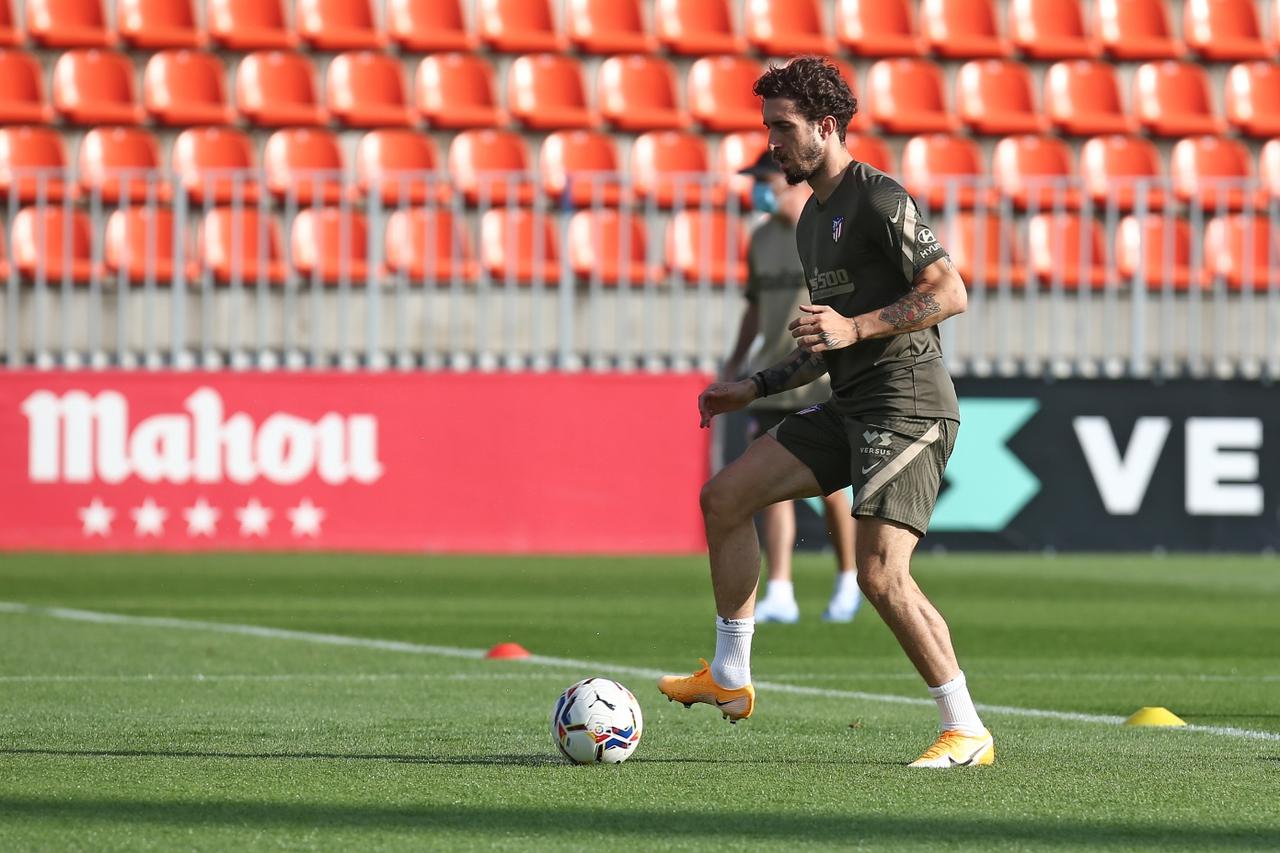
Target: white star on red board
x=306 y=518
x=254 y=518
x=148 y=519
x=202 y=519
x=96 y=518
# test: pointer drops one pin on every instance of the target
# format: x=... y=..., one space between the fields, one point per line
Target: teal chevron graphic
x=988 y=484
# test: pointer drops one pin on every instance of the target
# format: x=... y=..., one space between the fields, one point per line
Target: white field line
x=200 y=677
x=542 y=660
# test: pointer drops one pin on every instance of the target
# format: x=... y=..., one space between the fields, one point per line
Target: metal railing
x=413 y=271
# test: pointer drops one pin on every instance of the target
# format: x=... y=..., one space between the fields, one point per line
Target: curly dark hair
x=816 y=86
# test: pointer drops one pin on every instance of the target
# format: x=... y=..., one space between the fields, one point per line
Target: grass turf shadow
x=639 y=825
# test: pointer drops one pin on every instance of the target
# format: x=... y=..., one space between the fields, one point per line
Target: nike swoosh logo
x=873 y=465
x=720 y=704
x=973 y=757
x=895 y=217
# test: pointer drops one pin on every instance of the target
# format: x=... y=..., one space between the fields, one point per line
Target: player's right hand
x=721 y=397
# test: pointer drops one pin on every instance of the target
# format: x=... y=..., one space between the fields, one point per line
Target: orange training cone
x=508 y=651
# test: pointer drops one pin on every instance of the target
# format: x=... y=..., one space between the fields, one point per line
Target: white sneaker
x=772 y=610
x=841 y=611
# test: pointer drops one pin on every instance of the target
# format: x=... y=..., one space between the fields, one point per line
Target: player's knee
x=877 y=580
x=719 y=504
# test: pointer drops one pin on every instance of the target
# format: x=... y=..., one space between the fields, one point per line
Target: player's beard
x=805 y=163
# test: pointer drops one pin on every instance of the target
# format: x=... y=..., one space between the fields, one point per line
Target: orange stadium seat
x=1055 y=252
x=366 y=89
x=10 y=35
x=940 y=170
x=330 y=245
x=670 y=167
x=1136 y=29
x=696 y=27
x=975 y=242
x=456 y=90
x=1111 y=168
x=1035 y=172
x=1154 y=249
x=95 y=87
x=151 y=24
x=1242 y=250
x=878 y=28
x=906 y=96
x=122 y=163
x=1269 y=172
x=786 y=27
x=1221 y=30
x=241 y=245
x=738 y=151
x=185 y=87
x=423 y=26
x=994 y=96
x=607 y=27
x=215 y=165
x=1082 y=98
x=719 y=93
x=962 y=28
x=860 y=122
x=139 y=243
x=580 y=167
x=518 y=26
x=701 y=243
x=53 y=242
x=871 y=150
x=491 y=167
x=1171 y=98
x=638 y=93
x=546 y=91
x=248 y=25
x=400 y=166
x=304 y=164
x=596 y=239
x=22 y=89
x=1253 y=98
x=427 y=246
x=337 y=24
x=1211 y=172
x=277 y=89
x=67 y=23
x=32 y=165
x=1050 y=29
x=519 y=244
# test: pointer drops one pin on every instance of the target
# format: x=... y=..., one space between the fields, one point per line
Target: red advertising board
x=431 y=462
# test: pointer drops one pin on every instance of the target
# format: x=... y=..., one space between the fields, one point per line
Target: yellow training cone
x=1154 y=717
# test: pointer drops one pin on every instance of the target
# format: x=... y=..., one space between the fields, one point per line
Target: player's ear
x=828 y=126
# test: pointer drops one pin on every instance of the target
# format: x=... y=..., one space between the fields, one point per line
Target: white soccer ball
x=596 y=721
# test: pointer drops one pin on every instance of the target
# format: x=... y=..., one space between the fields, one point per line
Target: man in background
x=775 y=289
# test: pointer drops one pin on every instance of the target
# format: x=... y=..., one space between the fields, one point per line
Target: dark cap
x=764 y=166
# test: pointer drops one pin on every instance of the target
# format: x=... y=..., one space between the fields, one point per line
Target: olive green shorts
x=894 y=464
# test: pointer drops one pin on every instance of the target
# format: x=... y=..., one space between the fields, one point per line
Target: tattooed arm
x=798 y=368
x=937 y=293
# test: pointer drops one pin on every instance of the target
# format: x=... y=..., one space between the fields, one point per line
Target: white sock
x=956 y=707
x=780 y=590
x=846 y=587
x=732 y=665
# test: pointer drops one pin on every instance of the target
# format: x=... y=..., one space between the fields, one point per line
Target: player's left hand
x=822 y=328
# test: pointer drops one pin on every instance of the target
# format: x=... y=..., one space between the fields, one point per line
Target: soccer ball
x=596 y=720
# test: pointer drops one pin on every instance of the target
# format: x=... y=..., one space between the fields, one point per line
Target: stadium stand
x=993 y=96
x=940 y=169
x=182 y=87
x=401 y=167
x=33 y=161
x=546 y=92
x=1082 y=98
x=93 y=86
x=878 y=28
x=423 y=26
x=962 y=29
x=519 y=244
x=719 y=94
x=1224 y=29
x=337 y=24
x=518 y=26
x=1122 y=170
x=907 y=96
x=491 y=166
x=366 y=89
x=1066 y=248
x=22 y=98
x=580 y=168
x=330 y=245
x=241 y=245
x=277 y=89
x=1050 y=29
x=1252 y=98
x=1136 y=29
x=1155 y=250
x=139 y=244
x=67 y=23
x=155 y=24
x=610 y=245
x=456 y=91
x=122 y=164
x=53 y=242
x=786 y=27
x=303 y=165
x=1211 y=172
x=638 y=93
x=215 y=165
x=696 y=27
x=249 y=25
x=428 y=245
x=607 y=27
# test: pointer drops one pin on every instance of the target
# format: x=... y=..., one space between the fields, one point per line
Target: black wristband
x=757 y=378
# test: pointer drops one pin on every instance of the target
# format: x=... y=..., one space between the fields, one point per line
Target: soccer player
x=775 y=290
x=879 y=283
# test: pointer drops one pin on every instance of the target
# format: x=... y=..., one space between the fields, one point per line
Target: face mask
x=763 y=198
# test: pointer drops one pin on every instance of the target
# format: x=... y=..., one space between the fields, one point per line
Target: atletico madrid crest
x=837 y=228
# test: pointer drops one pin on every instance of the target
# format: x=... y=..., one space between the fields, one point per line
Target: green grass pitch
x=135 y=734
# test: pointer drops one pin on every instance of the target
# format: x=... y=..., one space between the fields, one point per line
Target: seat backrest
x=606 y=26
x=1158 y=246
x=389 y=157
x=488 y=165
x=669 y=163
x=1033 y=22
x=21 y=81
x=139 y=241
x=707 y=244
x=232 y=239
x=1056 y=250
x=514 y=239
x=587 y=158
x=1112 y=166
x=1171 y=87
x=336 y=24
x=33 y=164
x=719 y=92
x=1242 y=249
x=157 y=23
x=248 y=24
x=1211 y=171
x=544 y=82
x=51 y=240
x=120 y=161
x=450 y=84
x=366 y=81
x=330 y=243
x=961 y=27
x=870 y=149
x=180 y=78
x=695 y=27
x=67 y=23
x=610 y=243
x=863 y=24
x=984 y=249
x=939 y=167
x=784 y=26
x=905 y=84
x=269 y=82
x=302 y=161
x=1033 y=170
x=428 y=243
x=1206 y=24
x=1252 y=97
x=214 y=163
x=1269 y=167
x=516 y=26
x=88 y=78
x=987 y=86
x=428 y=25
x=629 y=83
x=1077 y=85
